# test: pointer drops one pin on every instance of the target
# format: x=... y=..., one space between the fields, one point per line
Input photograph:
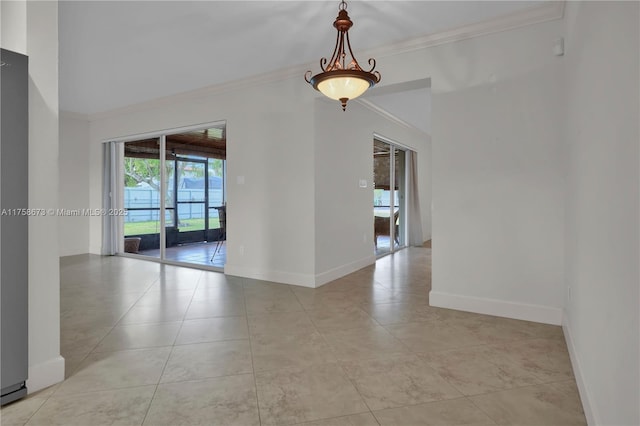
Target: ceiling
x=114 y=54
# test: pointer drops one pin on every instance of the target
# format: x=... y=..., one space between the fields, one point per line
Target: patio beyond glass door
x=389 y=222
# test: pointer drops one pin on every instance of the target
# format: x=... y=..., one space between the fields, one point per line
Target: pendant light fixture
x=342 y=78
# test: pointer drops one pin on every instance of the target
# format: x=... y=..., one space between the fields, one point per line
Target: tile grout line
x=253 y=368
x=166 y=362
x=468 y=398
x=339 y=363
x=35 y=412
x=92 y=351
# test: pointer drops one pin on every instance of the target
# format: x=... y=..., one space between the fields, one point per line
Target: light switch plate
x=363 y=183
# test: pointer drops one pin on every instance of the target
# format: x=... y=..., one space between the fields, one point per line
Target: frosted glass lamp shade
x=343 y=85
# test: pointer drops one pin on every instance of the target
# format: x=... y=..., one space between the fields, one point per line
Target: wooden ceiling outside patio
x=202 y=143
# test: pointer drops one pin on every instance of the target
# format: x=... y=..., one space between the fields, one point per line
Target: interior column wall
x=602 y=213
x=31 y=29
x=498 y=218
x=343 y=156
x=73 y=186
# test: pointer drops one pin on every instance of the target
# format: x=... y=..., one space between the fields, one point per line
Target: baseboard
x=341 y=271
x=585 y=396
x=45 y=374
x=67 y=253
x=499 y=308
x=303 y=280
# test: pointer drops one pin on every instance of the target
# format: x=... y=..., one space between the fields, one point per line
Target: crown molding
x=548 y=11
x=387 y=115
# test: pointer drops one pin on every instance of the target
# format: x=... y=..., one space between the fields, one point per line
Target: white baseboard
x=499 y=308
x=303 y=280
x=341 y=271
x=72 y=252
x=45 y=374
x=585 y=396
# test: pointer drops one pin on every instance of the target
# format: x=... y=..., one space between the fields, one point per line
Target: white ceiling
x=114 y=54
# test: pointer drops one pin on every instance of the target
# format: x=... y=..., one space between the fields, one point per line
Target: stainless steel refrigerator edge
x=14 y=141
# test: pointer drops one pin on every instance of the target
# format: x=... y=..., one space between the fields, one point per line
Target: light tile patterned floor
x=163 y=345
x=203 y=253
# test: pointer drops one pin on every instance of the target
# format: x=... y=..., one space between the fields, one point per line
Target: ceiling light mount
x=342 y=78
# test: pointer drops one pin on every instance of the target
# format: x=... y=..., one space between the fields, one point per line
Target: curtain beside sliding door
x=109 y=198
x=415 y=237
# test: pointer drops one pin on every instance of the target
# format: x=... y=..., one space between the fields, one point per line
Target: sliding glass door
x=174 y=200
x=142 y=191
x=389 y=201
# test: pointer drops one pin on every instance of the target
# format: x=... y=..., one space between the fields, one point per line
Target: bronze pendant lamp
x=341 y=79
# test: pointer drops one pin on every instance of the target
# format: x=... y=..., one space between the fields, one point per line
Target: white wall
x=33 y=31
x=498 y=221
x=602 y=214
x=269 y=144
x=343 y=156
x=73 y=184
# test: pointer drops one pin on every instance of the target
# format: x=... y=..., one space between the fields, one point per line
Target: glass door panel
x=389 y=201
x=191 y=200
x=381 y=197
x=141 y=171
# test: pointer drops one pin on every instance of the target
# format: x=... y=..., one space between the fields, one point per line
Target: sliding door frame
x=163 y=197
x=394 y=147
x=161 y=135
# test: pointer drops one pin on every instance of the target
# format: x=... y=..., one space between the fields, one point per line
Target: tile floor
x=147 y=344
x=203 y=253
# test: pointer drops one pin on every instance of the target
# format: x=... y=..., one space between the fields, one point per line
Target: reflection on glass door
x=389 y=222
